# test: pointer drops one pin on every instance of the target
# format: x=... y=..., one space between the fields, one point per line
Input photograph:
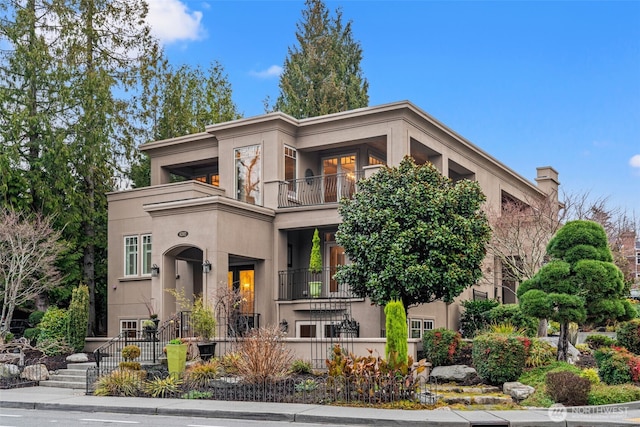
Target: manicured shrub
x=132 y=366
x=163 y=387
x=596 y=341
x=120 y=383
x=628 y=335
x=475 y=316
x=540 y=353
x=35 y=318
x=130 y=352
x=591 y=374
x=200 y=374
x=602 y=394
x=568 y=388
x=511 y=313
x=53 y=332
x=396 y=348
x=536 y=377
x=616 y=365
x=301 y=367
x=440 y=346
x=78 y=317
x=498 y=358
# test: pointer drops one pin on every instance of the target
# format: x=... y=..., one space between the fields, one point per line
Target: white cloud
x=273 y=71
x=634 y=161
x=172 y=21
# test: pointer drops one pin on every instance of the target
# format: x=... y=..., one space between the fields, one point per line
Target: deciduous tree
x=413 y=235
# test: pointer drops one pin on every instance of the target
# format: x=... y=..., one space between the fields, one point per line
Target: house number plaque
x=183 y=233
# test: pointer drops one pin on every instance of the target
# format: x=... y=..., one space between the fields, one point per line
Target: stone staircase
x=74 y=377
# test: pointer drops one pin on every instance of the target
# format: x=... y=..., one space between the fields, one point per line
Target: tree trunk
x=543 y=327
x=563 y=342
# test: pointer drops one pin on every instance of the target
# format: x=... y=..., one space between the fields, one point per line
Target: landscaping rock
x=573 y=355
x=8 y=370
x=457 y=373
x=491 y=400
x=428 y=398
x=35 y=373
x=77 y=358
x=517 y=390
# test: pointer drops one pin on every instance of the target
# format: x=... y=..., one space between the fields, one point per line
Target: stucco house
x=252 y=193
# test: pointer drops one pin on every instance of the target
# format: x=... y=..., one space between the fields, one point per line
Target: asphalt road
x=37 y=418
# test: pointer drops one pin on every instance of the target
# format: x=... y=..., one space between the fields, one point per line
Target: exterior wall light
x=206 y=267
x=155 y=270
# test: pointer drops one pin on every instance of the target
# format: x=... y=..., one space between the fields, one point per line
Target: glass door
x=339 y=175
x=336 y=256
x=242 y=283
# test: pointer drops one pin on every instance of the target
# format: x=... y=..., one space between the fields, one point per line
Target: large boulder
x=77 y=358
x=453 y=373
x=517 y=390
x=35 y=373
x=8 y=370
x=573 y=354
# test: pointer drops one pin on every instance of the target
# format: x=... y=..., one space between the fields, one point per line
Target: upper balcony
x=318 y=190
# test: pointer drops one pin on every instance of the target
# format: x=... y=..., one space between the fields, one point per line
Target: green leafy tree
x=322 y=74
x=396 y=348
x=580 y=283
x=412 y=234
x=180 y=101
x=78 y=318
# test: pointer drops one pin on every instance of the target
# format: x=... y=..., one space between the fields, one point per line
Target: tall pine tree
x=322 y=74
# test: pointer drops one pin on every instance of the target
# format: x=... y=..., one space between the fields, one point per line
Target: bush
x=511 y=313
x=602 y=394
x=568 y=388
x=537 y=376
x=475 y=317
x=35 y=318
x=396 y=349
x=78 y=318
x=628 y=335
x=120 y=383
x=616 y=365
x=53 y=331
x=498 y=358
x=163 y=387
x=263 y=355
x=130 y=352
x=440 y=346
x=31 y=334
x=597 y=341
x=591 y=374
x=540 y=353
x=132 y=366
x=301 y=367
x=200 y=374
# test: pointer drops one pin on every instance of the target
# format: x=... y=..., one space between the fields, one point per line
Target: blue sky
x=531 y=83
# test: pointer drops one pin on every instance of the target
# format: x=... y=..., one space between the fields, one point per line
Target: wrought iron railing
x=317 y=190
x=302 y=284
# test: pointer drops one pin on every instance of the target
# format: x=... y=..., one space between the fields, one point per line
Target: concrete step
x=64 y=384
x=74 y=377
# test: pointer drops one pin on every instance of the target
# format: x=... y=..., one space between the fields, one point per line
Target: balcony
x=317 y=190
x=302 y=284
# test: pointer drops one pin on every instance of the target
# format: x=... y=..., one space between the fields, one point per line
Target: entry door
x=338 y=177
x=336 y=256
x=242 y=281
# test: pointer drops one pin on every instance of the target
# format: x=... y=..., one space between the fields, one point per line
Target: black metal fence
x=22 y=373
x=302 y=284
x=308 y=389
x=317 y=190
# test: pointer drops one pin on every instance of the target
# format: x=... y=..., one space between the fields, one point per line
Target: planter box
x=207 y=350
x=176 y=357
x=315 y=289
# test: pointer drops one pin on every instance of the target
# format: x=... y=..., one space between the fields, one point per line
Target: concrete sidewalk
x=73 y=400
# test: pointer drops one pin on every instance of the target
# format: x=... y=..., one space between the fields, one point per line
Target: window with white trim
x=129 y=328
x=131 y=256
x=137 y=255
x=307 y=329
x=417 y=327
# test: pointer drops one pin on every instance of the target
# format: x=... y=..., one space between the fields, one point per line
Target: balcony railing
x=317 y=190
x=302 y=284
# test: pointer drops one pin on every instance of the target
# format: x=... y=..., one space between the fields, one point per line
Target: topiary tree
x=475 y=317
x=78 y=317
x=412 y=234
x=315 y=260
x=579 y=283
x=396 y=349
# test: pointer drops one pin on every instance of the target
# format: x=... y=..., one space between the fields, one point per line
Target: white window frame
x=291 y=153
x=145 y=253
x=131 y=264
x=256 y=193
x=132 y=329
x=423 y=324
x=320 y=326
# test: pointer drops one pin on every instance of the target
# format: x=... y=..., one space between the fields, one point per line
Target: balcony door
x=339 y=177
x=336 y=256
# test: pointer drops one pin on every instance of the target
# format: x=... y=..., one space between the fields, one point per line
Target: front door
x=242 y=283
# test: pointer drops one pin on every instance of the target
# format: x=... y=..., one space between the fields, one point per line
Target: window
x=137 y=255
x=307 y=331
x=290 y=167
x=129 y=328
x=375 y=160
x=146 y=254
x=312 y=329
x=417 y=327
x=248 y=174
x=131 y=256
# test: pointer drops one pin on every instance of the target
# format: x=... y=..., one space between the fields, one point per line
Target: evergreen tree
x=322 y=74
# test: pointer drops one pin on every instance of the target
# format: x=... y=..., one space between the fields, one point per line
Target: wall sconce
x=206 y=267
x=155 y=270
